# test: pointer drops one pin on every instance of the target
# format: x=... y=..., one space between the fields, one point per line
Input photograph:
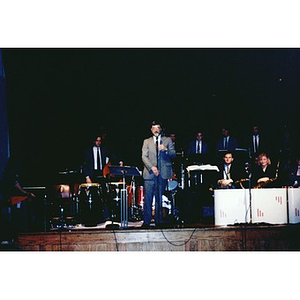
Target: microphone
x=247 y=167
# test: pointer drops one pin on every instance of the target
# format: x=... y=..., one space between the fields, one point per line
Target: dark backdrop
x=59 y=98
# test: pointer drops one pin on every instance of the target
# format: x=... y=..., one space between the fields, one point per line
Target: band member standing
x=157 y=152
x=227 y=142
x=95 y=160
x=198 y=146
x=256 y=143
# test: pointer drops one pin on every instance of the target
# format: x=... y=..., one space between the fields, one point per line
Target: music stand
x=123 y=171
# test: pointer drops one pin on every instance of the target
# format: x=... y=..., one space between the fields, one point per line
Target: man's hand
x=162 y=147
x=155 y=171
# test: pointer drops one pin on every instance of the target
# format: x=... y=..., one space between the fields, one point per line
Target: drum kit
x=76 y=205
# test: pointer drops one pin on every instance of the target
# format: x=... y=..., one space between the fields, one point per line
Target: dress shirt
x=255 y=143
x=199 y=145
x=95 y=149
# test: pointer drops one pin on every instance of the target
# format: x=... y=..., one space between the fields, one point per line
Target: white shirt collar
x=159 y=139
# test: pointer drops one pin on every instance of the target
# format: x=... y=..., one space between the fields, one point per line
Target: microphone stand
x=248 y=171
x=158 y=199
x=133 y=208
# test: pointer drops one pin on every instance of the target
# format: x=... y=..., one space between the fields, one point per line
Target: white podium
x=294 y=205
x=231 y=206
x=268 y=206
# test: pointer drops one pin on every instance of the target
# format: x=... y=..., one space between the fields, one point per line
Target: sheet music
x=202 y=168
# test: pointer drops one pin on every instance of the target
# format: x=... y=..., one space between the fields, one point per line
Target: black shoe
x=145 y=226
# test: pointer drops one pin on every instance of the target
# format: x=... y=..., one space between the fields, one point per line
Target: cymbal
x=69 y=172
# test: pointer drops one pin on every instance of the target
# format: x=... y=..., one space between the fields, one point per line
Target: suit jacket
x=89 y=159
x=292 y=175
x=262 y=147
x=232 y=144
x=235 y=172
x=164 y=162
x=193 y=145
x=259 y=173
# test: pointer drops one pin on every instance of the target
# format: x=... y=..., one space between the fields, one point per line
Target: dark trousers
x=154 y=187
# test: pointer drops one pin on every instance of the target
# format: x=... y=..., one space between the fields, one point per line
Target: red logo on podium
x=259 y=213
x=222 y=214
x=278 y=199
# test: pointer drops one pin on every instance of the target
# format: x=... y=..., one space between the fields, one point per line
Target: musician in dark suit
x=294 y=174
x=256 y=143
x=157 y=153
x=96 y=158
x=198 y=146
x=227 y=142
x=229 y=172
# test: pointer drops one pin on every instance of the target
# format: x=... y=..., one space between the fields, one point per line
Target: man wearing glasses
x=157 y=152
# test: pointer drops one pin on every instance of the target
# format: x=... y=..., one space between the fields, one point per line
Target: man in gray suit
x=157 y=152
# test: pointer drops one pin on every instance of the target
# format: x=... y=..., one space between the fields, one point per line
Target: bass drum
x=90 y=203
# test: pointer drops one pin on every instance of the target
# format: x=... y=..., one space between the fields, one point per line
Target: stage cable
x=178 y=245
x=115 y=236
x=60 y=240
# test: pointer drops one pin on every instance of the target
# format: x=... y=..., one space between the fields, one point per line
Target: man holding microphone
x=157 y=152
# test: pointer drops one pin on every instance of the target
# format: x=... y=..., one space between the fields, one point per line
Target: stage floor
x=191 y=237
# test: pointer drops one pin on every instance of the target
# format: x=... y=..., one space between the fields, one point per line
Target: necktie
x=227 y=172
x=255 y=143
x=225 y=144
x=198 y=148
x=98 y=159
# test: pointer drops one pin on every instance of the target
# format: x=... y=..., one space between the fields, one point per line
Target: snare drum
x=90 y=204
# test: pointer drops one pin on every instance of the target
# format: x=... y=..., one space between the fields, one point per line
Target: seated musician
x=294 y=174
x=229 y=173
x=16 y=204
x=264 y=173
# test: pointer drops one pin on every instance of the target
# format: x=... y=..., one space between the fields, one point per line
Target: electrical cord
x=178 y=245
x=115 y=236
x=60 y=240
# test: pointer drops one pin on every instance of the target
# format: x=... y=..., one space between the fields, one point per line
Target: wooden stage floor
x=192 y=237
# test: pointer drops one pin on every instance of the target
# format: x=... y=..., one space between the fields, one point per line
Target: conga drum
x=90 y=204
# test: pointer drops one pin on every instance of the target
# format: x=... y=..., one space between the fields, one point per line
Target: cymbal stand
x=124 y=205
x=133 y=208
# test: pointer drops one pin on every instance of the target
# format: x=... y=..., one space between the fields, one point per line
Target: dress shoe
x=145 y=226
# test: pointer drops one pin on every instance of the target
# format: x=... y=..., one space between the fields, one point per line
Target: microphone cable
x=178 y=245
